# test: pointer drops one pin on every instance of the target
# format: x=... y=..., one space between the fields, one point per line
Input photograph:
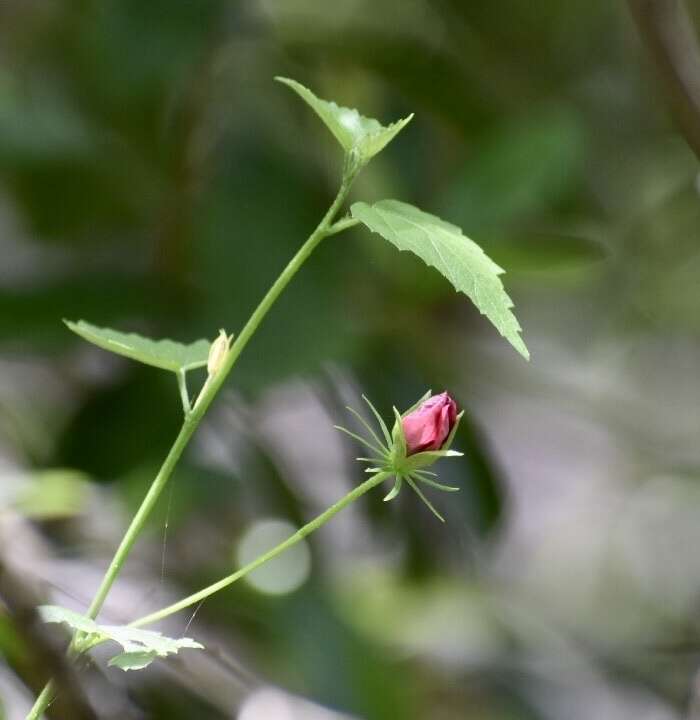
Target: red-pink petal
x=429 y=426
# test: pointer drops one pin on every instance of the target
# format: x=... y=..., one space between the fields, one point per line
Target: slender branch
x=316 y=523
x=321 y=231
x=43 y=700
x=342 y=224
x=667 y=29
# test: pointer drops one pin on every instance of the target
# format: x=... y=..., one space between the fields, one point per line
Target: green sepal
x=398 y=439
x=424 y=499
x=360 y=439
x=380 y=420
x=433 y=483
x=395 y=490
x=450 y=438
x=417 y=404
x=429 y=457
x=407 y=464
x=426 y=459
x=398 y=446
x=369 y=429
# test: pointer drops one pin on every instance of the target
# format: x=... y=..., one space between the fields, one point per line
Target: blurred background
x=154 y=178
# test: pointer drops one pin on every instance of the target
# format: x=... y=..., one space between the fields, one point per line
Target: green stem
x=184 y=395
x=43 y=701
x=342 y=224
x=316 y=523
x=194 y=417
x=321 y=231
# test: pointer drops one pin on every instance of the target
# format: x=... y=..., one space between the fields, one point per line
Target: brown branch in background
x=667 y=29
x=46 y=659
x=694 y=705
x=192 y=143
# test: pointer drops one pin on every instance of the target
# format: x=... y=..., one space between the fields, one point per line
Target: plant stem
x=194 y=417
x=321 y=231
x=184 y=395
x=43 y=701
x=342 y=224
x=316 y=523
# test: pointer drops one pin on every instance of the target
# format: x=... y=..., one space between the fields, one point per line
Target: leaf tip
x=292 y=84
x=520 y=346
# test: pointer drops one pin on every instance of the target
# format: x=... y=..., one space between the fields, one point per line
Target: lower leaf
x=133 y=660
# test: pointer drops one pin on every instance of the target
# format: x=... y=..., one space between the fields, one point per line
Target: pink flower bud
x=429 y=426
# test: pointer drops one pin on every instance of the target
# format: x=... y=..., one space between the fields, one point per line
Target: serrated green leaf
x=133 y=660
x=56 y=614
x=352 y=130
x=140 y=646
x=164 y=354
x=373 y=143
x=137 y=640
x=459 y=259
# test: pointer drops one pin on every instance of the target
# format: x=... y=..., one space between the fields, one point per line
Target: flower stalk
x=292 y=540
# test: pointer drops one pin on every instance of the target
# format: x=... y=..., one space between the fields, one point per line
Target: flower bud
x=429 y=426
x=217 y=352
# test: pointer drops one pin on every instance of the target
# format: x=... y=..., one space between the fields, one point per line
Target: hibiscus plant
x=419 y=437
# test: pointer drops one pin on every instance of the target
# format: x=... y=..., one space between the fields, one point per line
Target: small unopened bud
x=429 y=426
x=217 y=352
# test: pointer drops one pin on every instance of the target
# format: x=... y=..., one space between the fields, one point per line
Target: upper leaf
x=165 y=354
x=140 y=647
x=352 y=130
x=459 y=259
